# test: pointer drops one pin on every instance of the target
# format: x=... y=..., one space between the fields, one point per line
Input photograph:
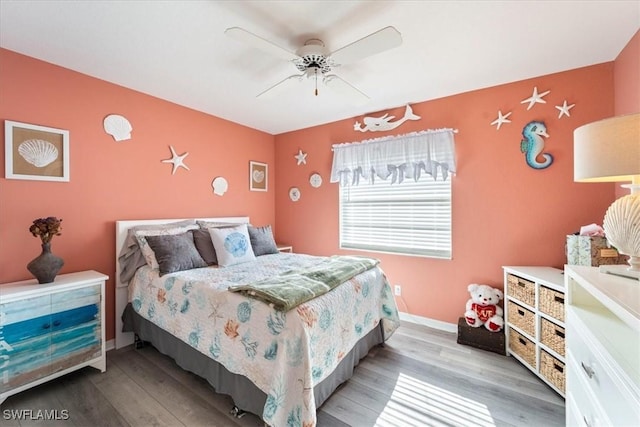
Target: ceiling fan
x=313 y=60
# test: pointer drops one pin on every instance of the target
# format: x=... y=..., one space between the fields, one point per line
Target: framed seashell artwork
x=258 y=176
x=36 y=152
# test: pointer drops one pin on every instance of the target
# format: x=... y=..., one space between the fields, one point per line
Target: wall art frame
x=36 y=152
x=258 y=176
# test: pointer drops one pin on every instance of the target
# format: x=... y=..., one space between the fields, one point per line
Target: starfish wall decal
x=535 y=98
x=501 y=119
x=178 y=161
x=564 y=109
x=301 y=157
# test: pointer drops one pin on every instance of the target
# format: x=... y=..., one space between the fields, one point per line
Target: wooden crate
x=481 y=337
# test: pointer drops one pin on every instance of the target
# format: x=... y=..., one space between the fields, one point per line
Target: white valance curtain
x=398 y=157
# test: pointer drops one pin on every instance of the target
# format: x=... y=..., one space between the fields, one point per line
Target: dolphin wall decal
x=384 y=123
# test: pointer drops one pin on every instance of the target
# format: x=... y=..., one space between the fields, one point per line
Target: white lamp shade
x=607 y=150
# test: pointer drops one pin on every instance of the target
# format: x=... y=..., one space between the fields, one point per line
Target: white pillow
x=232 y=245
x=162 y=230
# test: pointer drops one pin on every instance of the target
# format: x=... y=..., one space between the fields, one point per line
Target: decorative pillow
x=232 y=245
x=262 y=240
x=209 y=224
x=175 y=252
x=204 y=245
x=160 y=230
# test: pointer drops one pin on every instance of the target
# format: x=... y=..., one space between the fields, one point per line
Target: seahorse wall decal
x=533 y=144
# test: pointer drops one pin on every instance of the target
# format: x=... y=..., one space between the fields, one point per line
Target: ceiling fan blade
x=384 y=39
x=277 y=88
x=348 y=91
x=258 y=42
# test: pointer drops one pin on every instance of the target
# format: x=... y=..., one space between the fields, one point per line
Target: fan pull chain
x=316 y=70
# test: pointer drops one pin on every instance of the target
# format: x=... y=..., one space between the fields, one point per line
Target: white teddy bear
x=482 y=308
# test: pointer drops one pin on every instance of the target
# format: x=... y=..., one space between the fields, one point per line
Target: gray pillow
x=175 y=252
x=204 y=245
x=130 y=257
x=262 y=240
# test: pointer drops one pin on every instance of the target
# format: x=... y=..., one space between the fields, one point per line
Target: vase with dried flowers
x=46 y=266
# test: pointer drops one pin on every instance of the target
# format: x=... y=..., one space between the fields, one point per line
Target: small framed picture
x=258 y=174
x=36 y=152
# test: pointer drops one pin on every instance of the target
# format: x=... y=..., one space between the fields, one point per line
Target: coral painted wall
x=117 y=180
x=504 y=212
x=626 y=74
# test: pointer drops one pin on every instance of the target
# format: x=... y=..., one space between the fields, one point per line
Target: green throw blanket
x=295 y=287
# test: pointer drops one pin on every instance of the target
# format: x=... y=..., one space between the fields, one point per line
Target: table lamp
x=609 y=151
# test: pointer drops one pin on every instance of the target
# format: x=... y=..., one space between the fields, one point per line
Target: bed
x=280 y=364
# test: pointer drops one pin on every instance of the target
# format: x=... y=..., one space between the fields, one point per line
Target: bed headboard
x=122 y=292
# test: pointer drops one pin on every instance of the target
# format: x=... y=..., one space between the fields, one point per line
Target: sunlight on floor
x=417 y=403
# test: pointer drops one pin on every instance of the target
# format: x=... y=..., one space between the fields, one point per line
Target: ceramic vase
x=45 y=266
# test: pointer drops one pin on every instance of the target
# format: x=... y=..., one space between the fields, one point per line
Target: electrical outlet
x=397 y=290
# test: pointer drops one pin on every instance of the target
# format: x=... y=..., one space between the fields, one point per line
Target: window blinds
x=412 y=218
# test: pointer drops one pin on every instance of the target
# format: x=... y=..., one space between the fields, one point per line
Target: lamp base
x=620 y=270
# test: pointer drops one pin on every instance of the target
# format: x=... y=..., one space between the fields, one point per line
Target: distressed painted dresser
x=51 y=329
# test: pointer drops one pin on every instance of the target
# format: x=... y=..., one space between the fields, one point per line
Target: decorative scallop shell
x=118 y=127
x=622 y=224
x=38 y=152
x=220 y=186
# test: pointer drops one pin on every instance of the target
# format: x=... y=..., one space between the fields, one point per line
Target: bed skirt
x=244 y=393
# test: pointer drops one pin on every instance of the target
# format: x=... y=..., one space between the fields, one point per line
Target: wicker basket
x=552 y=303
x=552 y=336
x=552 y=369
x=523 y=347
x=522 y=318
x=521 y=289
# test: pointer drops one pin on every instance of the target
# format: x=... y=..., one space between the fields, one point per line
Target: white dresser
x=603 y=348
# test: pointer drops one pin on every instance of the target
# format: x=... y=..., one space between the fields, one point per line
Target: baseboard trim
x=110 y=345
x=432 y=323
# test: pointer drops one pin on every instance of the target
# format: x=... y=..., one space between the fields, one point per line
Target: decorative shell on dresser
x=622 y=226
x=38 y=152
x=118 y=127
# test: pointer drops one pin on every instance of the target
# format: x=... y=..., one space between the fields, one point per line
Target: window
x=411 y=218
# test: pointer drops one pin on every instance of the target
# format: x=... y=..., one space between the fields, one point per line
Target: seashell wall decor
x=220 y=186
x=118 y=127
x=38 y=152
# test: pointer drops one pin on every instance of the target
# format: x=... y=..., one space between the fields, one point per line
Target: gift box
x=592 y=251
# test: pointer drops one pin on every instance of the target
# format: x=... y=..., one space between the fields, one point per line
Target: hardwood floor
x=421 y=377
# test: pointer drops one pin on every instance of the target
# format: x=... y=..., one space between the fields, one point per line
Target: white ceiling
x=177 y=50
